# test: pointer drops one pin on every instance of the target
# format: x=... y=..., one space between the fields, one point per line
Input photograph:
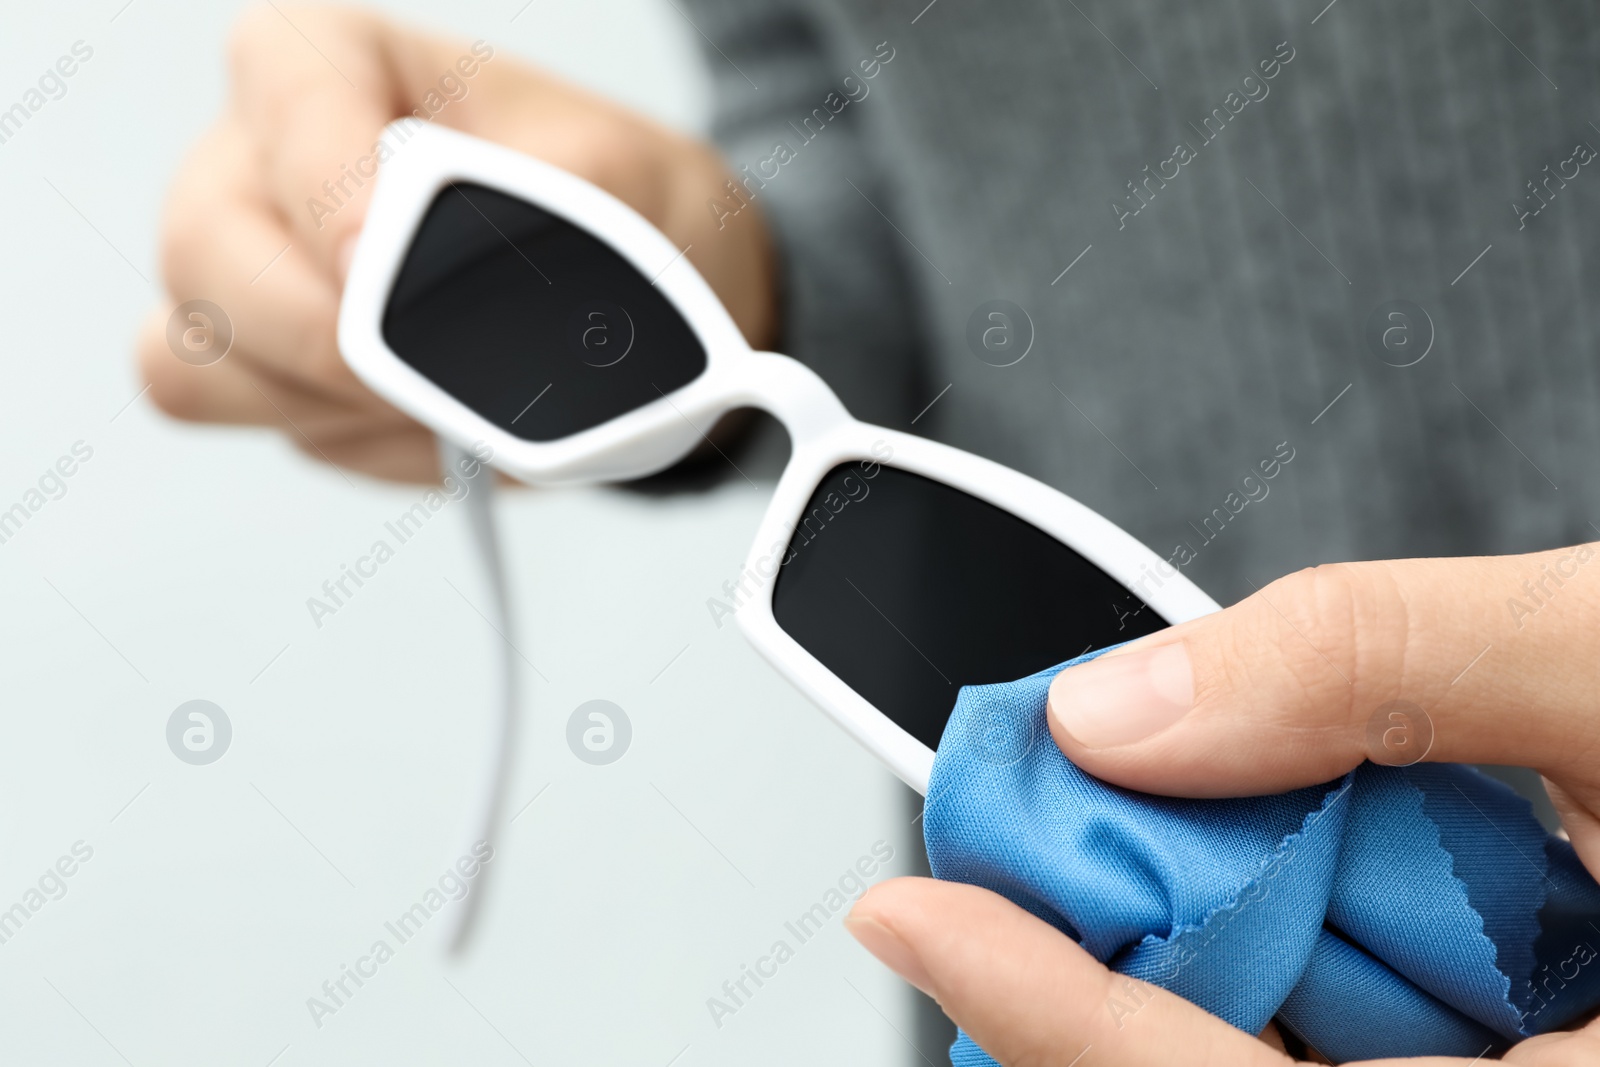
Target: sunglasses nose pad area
x=536 y=325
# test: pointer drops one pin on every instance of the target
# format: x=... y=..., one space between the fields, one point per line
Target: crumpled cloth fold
x=1406 y=911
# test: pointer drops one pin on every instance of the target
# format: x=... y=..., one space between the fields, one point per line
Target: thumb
x=1027 y=993
x=316 y=87
x=1477 y=660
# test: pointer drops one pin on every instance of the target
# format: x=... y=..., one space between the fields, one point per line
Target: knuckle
x=1338 y=634
x=1319 y=601
x=196 y=212
x=174 y=392
x=1319 y=604
x=184 y=238
x=252 y=30
x=256 y=40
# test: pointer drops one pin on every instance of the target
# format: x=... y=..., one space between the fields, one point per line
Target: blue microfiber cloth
x=1396 y=912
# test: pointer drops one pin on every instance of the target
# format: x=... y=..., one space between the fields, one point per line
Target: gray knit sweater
x=1147 y=251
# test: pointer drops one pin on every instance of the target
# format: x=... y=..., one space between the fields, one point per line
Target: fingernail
x=1120 y=699
x=891 y=951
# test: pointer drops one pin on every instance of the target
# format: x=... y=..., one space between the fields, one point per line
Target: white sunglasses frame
x=428 y=158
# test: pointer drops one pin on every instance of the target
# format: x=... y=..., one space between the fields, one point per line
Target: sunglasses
x=501 y=301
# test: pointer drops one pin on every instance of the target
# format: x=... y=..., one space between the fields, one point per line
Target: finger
x=233 y=391
x=405 y=454
x=1027 y=993
x=332 y=432
x=1491 y=660
x=314 y=88
x=1577 y=804
x=223 y=242
x=216 y=392
x=1546 y=1050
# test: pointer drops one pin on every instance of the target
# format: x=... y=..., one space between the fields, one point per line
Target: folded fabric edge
x=1416 y=1023
x=1469 y=890
x=1269 y=866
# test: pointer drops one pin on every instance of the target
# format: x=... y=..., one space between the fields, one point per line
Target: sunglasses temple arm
x=792 y=391
x=489 y=785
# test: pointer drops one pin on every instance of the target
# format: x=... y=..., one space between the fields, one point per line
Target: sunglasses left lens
x=533 y=323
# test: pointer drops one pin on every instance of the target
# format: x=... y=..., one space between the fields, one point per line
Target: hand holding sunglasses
x=500 y=300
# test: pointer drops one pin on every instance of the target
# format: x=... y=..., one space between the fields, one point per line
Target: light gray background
x=177 y=567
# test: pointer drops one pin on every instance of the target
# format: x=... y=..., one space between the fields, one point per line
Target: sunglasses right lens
x=530 y=321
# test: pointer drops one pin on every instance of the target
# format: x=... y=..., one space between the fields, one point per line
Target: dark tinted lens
x=531 y=322
x=908 y=589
